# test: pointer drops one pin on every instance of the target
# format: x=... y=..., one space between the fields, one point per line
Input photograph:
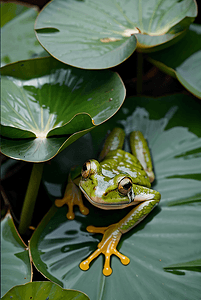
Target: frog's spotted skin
x=101 y=188
x=121 y=162
x=120 y=180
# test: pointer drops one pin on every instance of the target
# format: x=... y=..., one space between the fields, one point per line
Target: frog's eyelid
x=125 y=185
x=90 y=167
x=86 y=169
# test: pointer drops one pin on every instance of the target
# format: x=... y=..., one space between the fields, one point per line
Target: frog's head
x=105 y=191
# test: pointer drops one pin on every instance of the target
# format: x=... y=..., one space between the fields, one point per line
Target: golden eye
x=86 y=169
x=125 y=185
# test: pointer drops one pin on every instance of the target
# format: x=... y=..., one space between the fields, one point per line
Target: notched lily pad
x=100 y=34
x=43 y=290
x=15 y=261
x=47 y=105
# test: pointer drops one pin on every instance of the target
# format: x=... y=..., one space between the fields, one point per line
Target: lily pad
x=169 y=235
x=47 y=105
x=43 y=290
x=15 y=262
x=101 y=34
x=183 y=65
x=18 y=40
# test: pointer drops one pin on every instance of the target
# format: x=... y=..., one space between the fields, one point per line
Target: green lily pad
x=43 y=291
x=18 y=40
x=183 y=65
x=100 y=34
x=15 y=262
x=169 y=235
x=47 y=105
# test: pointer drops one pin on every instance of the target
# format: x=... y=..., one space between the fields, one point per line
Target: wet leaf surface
x=169 y=235
x=47 y=105
x=100 y=34
x=15 y=262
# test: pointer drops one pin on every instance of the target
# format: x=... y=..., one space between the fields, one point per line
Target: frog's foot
x=111 y=237
x=72 y=196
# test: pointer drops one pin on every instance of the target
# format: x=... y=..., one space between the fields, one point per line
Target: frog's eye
x=125 y=185
x=86 y=169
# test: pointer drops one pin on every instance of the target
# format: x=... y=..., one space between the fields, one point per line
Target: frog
x=117 y=180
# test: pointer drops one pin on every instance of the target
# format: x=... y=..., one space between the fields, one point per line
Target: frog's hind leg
x=140 y=149
x=114 y=141
x=112 y=234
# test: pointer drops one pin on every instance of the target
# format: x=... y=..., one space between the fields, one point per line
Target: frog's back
x=122 y=162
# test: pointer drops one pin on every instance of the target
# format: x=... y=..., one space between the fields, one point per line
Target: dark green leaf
x=196 y=198
x=43 y=291
x=47 y=105
x=15 y=262
x=18 y=40
x=194 y=265
x=100 y=34
x=184 y=65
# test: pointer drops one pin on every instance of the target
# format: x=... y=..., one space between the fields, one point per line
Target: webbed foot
x=72 y=196
x=111 y=237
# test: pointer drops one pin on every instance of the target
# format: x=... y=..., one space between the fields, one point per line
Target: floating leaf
x=43 y=290
x=168 y=235
x=47 y=105
x=15 y=262
x=183 y=65
x=100 y=34
x=18 y=40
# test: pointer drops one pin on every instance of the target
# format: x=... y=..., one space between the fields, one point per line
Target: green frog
x=120 y=180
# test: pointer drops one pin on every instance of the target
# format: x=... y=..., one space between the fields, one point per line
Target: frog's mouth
x=100 y=203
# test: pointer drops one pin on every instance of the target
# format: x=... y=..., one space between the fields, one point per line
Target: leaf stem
x=139 y=73
x=30 y=197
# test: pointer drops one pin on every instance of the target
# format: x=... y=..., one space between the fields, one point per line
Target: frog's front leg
x=110 y=240
x=72 y=196
x=113 y=233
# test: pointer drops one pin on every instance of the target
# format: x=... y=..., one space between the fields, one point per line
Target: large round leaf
x=184 y=65
x=100 y=34
x=169 y=235
x=18 y=40
x=47 y=105
x=43 y=291
x=15 y=262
